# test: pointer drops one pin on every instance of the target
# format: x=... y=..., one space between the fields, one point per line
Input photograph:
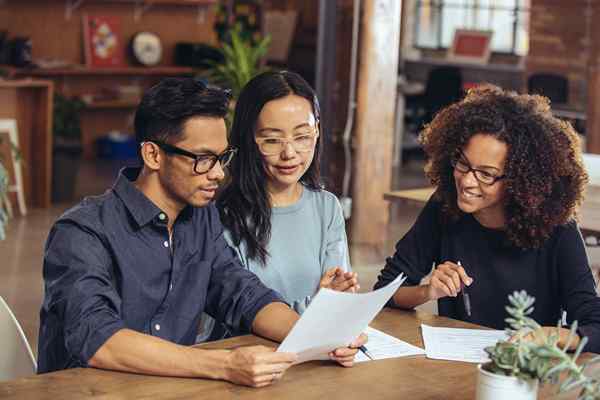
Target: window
x=436 y=21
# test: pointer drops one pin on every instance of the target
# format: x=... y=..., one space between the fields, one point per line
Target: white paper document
x=334 y=319
x=459 y=344
x=381 y=346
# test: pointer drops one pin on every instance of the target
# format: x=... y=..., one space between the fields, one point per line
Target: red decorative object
x=103 y=45
x=471 y=46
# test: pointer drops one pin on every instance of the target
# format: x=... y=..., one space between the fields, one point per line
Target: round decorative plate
x=146 y=48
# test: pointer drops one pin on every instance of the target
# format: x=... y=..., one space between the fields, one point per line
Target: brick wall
x=559 y=43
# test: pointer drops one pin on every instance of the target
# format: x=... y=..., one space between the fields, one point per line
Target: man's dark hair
x=166 y=107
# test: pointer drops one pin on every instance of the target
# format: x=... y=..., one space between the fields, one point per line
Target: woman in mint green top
x=285 y=227
x=307 y=239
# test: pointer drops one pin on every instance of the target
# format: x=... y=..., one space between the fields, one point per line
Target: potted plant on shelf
x=519 y=365
x=67 y=146
x=242 y=61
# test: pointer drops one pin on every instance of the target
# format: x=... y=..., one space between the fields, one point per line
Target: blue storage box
x=117 y=146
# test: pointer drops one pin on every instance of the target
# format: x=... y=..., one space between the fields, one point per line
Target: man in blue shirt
x=128 y=273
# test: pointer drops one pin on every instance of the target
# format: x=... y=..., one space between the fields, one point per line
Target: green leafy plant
x=543 y=359
x=66 y=124
x=241 y=62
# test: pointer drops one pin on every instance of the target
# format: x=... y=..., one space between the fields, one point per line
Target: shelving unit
x=123 y=71
x=140 y=6
x=102 y=105
x=54 y=38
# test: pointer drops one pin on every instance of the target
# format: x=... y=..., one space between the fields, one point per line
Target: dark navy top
x=109 y=265
x=557 y=274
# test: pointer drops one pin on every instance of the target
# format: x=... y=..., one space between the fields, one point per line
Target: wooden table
x=589 y=222
x=398 y=378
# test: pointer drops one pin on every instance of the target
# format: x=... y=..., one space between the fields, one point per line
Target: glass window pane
x=495 y=15
x=428 y=24
x=502 y=23
x=522 y=44
x=454 y=17
x=504 y=4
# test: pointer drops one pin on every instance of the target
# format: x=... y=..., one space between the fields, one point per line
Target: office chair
x=443 y=87
x=16 y=357
x=555 y=87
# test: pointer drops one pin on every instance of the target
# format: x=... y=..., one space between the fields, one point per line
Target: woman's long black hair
x=244 y=203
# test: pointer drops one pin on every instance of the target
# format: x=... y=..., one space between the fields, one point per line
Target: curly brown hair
x=545 y=178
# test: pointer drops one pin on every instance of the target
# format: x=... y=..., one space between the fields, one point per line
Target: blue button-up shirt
x=109 y=265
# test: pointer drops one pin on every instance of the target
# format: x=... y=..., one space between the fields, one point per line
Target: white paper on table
x=382 y=346
x=334 y=319
x=459 y=344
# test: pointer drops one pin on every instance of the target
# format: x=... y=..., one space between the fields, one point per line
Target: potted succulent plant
x=519 y=365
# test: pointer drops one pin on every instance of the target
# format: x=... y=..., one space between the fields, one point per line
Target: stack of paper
x=334 y=319
x=459 y=344
x=381 y=346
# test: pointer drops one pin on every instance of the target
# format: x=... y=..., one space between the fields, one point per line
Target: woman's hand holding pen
x=336 y=279
x=447 y=279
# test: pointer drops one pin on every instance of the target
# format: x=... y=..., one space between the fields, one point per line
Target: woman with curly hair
x=509 y=180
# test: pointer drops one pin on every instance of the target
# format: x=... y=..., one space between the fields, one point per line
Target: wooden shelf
x=101 y=105
x=83 y=71
x=170 y=2
x=140 y=6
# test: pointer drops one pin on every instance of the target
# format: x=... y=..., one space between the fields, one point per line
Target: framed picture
x=471 y=46
x=102 y=43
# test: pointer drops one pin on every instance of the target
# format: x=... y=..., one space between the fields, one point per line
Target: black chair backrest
x=443 y=87
x=555 y=87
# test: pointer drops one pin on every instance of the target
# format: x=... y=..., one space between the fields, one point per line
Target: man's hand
x=336 y=279
x=257 y=366
x=345 y=355
x=447 y=279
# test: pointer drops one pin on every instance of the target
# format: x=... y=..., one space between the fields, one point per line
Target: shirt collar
x=139 y=206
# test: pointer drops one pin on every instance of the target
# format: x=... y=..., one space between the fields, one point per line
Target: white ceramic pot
x=499 y=387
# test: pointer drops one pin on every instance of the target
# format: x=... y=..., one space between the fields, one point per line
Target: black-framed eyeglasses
x=202 y=162
x=462 y=165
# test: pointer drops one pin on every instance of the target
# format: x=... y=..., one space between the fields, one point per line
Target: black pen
x=366 y=352
x=466 y=298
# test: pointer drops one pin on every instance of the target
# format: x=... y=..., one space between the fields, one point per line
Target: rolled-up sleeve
x=80 y=290
x=235 y=295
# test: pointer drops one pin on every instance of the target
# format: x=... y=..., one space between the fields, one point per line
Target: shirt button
x=157 y=327
x=162 y=216
x=166 y=243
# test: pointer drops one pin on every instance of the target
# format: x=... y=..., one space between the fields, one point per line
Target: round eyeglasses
x=275 y=145
x=202 y=162
x=462 y=165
